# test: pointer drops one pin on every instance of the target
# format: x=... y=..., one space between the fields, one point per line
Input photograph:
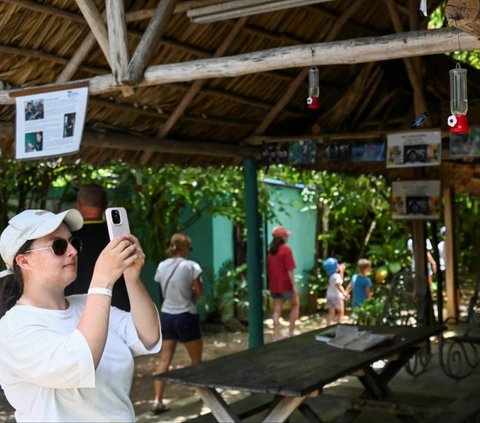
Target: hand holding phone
x=117 y=222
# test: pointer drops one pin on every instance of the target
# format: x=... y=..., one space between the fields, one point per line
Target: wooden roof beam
x=151 y=37
x=420 y=103
x=97 y=26
x=358 y=50
x=464 y=14
x=117 y=38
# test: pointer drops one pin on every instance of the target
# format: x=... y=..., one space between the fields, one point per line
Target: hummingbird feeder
x=313 y=101
x=458 y=121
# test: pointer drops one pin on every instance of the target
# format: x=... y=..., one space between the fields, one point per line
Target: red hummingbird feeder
x=458 y=121
x=313 y=100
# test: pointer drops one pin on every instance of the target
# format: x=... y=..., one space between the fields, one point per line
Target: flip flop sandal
x=159 y=409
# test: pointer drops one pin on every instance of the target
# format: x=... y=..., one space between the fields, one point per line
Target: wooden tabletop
x=295 y=366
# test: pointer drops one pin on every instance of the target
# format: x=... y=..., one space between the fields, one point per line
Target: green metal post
x=254 y=255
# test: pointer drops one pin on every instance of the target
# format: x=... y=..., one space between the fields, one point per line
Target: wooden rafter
x=198 y=84
x=420 y=103
x=464 y=14
x=117 y=38
x=195 y=88
x=97 y=26
x=152 y=35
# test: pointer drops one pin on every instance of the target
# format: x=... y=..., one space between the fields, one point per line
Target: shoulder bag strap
x=170 y=277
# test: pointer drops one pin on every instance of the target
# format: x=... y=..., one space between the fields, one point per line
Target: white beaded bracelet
x=102 y=291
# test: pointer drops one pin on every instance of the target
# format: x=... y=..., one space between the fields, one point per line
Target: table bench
x=297 y=368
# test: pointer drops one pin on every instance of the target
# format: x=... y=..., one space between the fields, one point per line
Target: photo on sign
x=34 y=109
x=68 y=124
x=418 y=199
x=33 y=142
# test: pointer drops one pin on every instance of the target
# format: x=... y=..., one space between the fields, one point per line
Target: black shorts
x=183 y=327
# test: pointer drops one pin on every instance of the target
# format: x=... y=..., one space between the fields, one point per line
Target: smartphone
x=117 y=222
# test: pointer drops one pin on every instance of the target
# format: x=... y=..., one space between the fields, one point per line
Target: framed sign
x=416 y=200
x=49 y=121
x=413 y=149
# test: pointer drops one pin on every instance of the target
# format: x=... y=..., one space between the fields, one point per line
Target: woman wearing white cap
x=281 y=282
x=70 y=358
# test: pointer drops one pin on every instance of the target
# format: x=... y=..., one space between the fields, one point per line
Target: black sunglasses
x=60 y=245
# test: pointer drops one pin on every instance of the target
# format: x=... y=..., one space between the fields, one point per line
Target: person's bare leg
x=330 y=315
x=277 y=312
x=294 y=312
x=166 y=356
x=340 y=312
x=194 y=349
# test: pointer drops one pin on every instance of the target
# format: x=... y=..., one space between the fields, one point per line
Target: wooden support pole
x=420 y=256
x=450 y=253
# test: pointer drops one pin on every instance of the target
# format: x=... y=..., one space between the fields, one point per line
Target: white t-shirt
x=179 y=297
x=47 y=370
x=441 y=254
x=429 y=248
x=332 y=290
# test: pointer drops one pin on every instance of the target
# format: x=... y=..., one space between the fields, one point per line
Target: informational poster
x=416 y=200
x=50 y=122
x=414 y=148
x=465 y=145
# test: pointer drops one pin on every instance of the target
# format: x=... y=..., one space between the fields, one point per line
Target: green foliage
x=228 y=294
x=391 y=253
x=370 y=312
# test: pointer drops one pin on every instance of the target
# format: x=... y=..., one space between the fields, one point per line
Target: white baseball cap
x=33 y=224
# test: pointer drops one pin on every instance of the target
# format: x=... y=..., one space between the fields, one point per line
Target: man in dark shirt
x=92 y=202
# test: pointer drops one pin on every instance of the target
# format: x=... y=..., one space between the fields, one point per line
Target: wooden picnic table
x=298 y=367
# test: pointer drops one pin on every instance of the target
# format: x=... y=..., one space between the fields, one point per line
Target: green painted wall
x=290 y=211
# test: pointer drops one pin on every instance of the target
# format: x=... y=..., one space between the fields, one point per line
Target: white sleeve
x=122 y=322
x=158 y=273
x=196 y=269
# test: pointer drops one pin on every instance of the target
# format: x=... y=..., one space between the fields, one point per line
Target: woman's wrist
x=99 y=291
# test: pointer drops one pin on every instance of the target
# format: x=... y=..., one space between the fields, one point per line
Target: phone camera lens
x=115 y=217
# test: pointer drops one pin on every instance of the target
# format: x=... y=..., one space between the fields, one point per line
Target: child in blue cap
x=336 y=293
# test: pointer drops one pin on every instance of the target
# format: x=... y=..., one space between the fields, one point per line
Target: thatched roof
x=193 y=109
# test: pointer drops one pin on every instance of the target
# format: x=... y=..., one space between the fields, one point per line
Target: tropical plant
x=227 y=296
